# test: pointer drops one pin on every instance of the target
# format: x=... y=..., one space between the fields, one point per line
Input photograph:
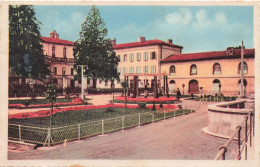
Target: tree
x=95 y=50
x=26 y=58
x=51 y=97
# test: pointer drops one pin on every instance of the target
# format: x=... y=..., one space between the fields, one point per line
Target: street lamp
x=31 y=85
x=82 y=76
x=183 y=85
x=219 y=86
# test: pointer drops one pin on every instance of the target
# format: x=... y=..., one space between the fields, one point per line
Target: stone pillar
x=155 y=87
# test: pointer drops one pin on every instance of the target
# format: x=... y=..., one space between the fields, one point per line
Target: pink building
x=59 y=54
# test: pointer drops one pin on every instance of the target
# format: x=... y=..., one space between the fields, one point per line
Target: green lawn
x=78 y=116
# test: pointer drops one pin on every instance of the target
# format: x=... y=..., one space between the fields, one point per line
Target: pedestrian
x=178 y=94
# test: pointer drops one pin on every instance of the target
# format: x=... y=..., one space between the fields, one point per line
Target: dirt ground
x=177 y=138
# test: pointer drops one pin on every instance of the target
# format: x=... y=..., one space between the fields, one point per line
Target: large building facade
x=210 y=72
x=59 y=54
x=142 y=57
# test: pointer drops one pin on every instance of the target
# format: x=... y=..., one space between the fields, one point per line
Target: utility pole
x=242 y=92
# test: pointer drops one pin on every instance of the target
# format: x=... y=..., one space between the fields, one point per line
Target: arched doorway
x=245 y=85
x=193 y=86
x=216 y=86
x=172 y=86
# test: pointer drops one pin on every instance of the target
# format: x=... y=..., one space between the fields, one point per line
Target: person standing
x=178 y=94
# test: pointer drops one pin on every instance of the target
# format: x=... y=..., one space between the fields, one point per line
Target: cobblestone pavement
x=177 y=138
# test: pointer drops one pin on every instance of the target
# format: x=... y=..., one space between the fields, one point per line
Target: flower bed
x=75 y=101
x=45 y=113
x=161 y=99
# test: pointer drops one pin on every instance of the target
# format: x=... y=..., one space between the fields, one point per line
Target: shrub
x=142 y=105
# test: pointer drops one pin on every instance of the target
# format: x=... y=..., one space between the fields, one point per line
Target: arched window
x=172 y=70
x=63 y=71
x=216 y=69
x=245 y=70
x=193 y=69
x=216 y=86
x=172 y=86
x=65 y=52
x=53 y=51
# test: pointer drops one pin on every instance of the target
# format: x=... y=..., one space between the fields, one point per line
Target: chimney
x=230 y=51
x=170 y=41
x=54 y=34
x=141 y=39
x=113 y=41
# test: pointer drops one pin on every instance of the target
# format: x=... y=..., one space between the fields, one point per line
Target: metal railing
x=241 y=142
x=57 y=135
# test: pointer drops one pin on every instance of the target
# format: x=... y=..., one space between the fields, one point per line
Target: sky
x=196 y=28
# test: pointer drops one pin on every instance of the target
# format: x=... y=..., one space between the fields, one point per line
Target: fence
x=57 y=135
x=241 y=142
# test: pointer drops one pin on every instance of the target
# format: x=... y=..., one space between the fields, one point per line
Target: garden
x=83 y=121
x=39 y=103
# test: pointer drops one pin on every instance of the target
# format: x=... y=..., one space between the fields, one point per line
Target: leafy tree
x=26 y=58
x=95 y=50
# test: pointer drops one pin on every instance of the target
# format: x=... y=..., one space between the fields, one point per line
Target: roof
x=208 y=56
x=57 y=41
x=144 y=43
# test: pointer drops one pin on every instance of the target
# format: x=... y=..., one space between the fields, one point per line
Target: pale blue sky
x=197 y=29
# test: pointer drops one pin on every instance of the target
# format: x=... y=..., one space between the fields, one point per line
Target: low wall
x=223 y=118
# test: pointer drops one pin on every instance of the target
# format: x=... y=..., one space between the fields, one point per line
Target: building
x=214 y=72
x=140 y=57
x=59 y=54
x=198 y=73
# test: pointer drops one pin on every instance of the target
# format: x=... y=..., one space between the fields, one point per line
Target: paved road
x=177 y=138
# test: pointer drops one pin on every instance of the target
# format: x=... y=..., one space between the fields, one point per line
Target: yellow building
x=214 y=72
x=139 y=57
x=59 y=54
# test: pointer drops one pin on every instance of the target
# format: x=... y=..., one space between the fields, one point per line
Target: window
x=72 y=71
x=63 y=71
x=53 y=51
x=55 y=70
x=145 y=69
x=88 y=81
x=124 y=70
x=100 y=81
x=245 y=68
x=216 y=86
x=193 y=69
x=131 y=70
x=131 y=57
x=216 y=69
x=138 y=56
x=153 y=55
x=119 y=70
x=64 y=53
x=172 y=70
x=118 y=56
x=145 y=56
x=153 y=69
x=138 y=69
x=125 y=57
x=106 y=83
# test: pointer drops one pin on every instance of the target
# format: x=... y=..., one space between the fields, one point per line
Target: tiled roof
x=144 y=43
x=57 y=41
x=208 y=56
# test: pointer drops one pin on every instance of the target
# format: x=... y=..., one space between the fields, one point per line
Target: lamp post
x=82 y=81
x=31 y=85
x=242 y=93
x=183 y=85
